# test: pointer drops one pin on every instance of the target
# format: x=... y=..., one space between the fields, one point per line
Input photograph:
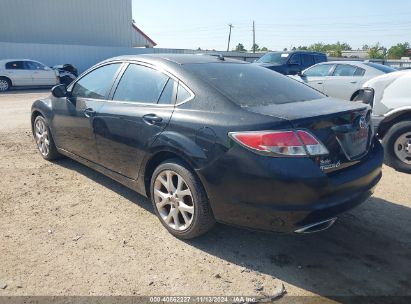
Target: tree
x=398 y=51
x=365 y=47
x=285 y=50
x=256 y=46
x=377 y=51
x=240 y=48
x=264 y=49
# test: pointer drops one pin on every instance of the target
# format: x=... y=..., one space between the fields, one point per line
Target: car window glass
x=168 y=95
x=15 y=65
x=295 y=59
x=140 y=84
x=320 y=58
x=97 y=83
x=182 y=94
x=31 y=65
x=249 y=85
x=359 y=72
x=307 y=60
x=344 y=70
x=321 y=70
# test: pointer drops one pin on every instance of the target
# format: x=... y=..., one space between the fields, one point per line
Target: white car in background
x=25 y=72
x=341 y=79
x=390 y=97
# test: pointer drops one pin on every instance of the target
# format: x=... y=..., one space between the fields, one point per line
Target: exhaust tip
x=316 y=227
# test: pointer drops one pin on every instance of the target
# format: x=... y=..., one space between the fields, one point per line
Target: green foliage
x=264 y=49
x=240 y=48
x=399 y=50
x=377 y=51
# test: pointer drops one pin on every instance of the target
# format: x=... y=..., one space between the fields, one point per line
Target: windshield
x=250 y=85
x=380 y=67
x=275 y=58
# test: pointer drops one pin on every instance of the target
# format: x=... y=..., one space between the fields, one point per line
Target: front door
x=140 y=109
x=316 y=76
x=345 y=80
x=75 y=116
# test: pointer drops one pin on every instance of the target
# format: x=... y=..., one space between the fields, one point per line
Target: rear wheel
x=180 y=201
x=44 y=140
x=5 y=84
x=397 y=145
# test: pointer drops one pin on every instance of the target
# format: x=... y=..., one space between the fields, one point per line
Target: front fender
x=42 y=107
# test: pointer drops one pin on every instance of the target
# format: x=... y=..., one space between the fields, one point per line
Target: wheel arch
x=389 y=121
x=156 y=159
x=8 y=79
x=355 y=94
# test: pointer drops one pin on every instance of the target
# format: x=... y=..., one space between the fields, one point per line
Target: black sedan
x=211 y=139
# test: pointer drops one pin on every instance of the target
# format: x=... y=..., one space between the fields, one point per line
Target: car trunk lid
x=343 y=127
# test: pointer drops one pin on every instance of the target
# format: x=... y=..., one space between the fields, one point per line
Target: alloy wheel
x=402 y=148
x=42 y=137
x=173 y=200
x=4 y=85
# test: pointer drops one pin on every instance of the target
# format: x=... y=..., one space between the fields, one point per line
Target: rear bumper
x=285 y=194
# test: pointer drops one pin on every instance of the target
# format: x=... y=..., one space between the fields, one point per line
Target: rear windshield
x=249 y=85
x=380 y=67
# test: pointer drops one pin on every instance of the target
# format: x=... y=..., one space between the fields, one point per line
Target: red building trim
x=143 y=34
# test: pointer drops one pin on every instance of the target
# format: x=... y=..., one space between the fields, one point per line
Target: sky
x=190 y=24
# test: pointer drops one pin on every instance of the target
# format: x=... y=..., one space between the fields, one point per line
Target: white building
x=59 y=31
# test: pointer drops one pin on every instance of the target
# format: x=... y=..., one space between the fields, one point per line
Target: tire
x=5 y=84
x=396 y=142
x=192 y=225
x=44 y=140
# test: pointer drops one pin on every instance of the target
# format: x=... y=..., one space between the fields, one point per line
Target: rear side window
x=344 y=70
x=96 y=84
x=182 y=94
x=359 y=72
x=140 y=84
x=321 y=70
x=168 y=96
x=15 y=65
x=249 y=85
x=307 y=60
x=320 y=58
x=32 y=65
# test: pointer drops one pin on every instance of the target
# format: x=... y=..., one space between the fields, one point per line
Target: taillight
x=281 y=143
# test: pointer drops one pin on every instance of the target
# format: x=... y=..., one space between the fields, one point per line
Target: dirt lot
x=67 y=230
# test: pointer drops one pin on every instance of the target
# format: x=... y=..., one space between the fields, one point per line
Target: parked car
x=67 y=73
x=342 y=79
x=212 y=139
x=390 y=96
x=290 y=63
x=25 y=72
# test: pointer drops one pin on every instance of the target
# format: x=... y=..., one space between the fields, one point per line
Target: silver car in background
x=26 y=73
x=341 y=79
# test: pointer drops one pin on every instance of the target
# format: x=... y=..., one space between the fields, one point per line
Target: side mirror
x=300 y=73
x=59 y=91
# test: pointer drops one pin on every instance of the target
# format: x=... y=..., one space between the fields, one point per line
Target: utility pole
x=229 y=37
x=253 y=36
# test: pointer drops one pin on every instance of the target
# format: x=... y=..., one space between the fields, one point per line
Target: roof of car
x=178 y=58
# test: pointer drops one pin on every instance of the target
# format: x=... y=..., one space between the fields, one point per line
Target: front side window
x=96 y=84
x=140 y=84
x=344 y=70
x=295 y=59
x=15 y=65
x=321 y=70
x=274 y=58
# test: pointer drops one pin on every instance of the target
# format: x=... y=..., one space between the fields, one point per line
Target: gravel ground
x=67 y=230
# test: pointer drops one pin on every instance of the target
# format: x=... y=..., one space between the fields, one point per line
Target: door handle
x=353 y=82
x=152 y=119
x=89 y=112
x=319 y=83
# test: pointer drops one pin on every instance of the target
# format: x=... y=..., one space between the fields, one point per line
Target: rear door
x=19 y=74
x=316 y=75
x=41 y=74
x=344 y=81
x=141 y=107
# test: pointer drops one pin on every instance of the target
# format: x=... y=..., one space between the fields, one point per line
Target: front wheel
x=180 y=201
x=397 y=145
